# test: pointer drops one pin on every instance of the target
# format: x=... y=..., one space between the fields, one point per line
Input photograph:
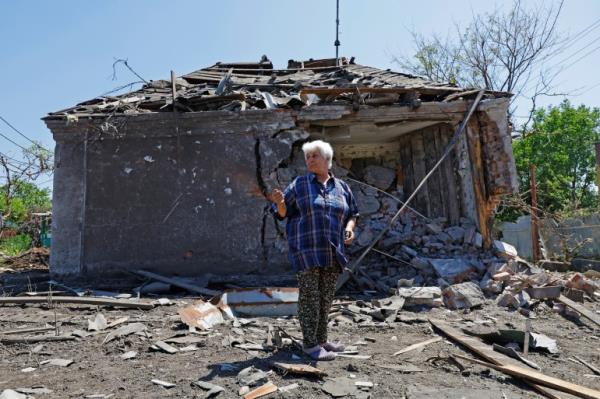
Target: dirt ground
x=99 y=371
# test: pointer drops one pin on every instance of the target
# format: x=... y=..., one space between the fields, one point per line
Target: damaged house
x=173 y=177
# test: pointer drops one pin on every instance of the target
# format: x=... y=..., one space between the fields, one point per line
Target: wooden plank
x=443 y=184
x=484 y=351
x=418 y=345
x=479 y=187
x=581 y=309
x=26 y=330
x=406 y=162
x=35 y=338
x=433 y=184
x=178 y=283
x=449 y=177
x=419 y=172
x=263 y=390
x=76 y=300
x=539 y=378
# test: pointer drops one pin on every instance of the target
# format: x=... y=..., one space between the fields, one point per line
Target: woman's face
x=316 y=163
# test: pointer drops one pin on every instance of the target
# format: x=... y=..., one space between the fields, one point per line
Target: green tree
x=560 y=143
x=22 y=199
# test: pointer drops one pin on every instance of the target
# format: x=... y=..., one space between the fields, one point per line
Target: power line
x=17 y=130
x=15 y=143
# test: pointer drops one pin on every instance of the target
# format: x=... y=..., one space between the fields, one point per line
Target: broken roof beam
x=20 y=300
x=336 y=91
x=340 y=115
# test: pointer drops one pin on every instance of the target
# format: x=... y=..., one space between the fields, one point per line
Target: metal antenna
x=337 y=31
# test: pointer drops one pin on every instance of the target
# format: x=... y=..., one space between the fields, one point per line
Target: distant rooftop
x=241 y=86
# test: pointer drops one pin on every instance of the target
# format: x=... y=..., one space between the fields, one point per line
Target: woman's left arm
x=351 y=223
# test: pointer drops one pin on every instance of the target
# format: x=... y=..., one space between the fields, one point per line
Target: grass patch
x=16 y=245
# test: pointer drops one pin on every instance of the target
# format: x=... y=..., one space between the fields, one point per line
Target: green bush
x=16 y=245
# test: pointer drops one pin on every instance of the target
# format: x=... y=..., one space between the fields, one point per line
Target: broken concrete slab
x=128 y=355
x=128 y=329
x=463 y=296
x=267 y=301
x=252 y=376
x=505 y=250
x=420 y=295
x=57 y=362
x=162 y=383
x=379 y=176
x=549 y=292
x=339 y=387
x=163 y=346
x=212 y=389
x=99 y=323
x=453 y=270
x=513 y=300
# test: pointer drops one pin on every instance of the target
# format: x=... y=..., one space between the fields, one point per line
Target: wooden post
x=526 y=337
x=598 y=170
x=173 y=89
x=535 y=235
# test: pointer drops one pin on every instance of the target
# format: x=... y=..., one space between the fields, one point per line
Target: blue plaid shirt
x=317 y=215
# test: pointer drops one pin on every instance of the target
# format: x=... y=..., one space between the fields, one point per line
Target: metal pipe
x=535 y=235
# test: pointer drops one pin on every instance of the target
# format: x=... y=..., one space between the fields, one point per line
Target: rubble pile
x=35 y=258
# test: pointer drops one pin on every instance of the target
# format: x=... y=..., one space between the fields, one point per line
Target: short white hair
x=323 y=147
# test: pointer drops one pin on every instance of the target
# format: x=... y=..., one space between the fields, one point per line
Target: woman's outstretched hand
x=279 y=200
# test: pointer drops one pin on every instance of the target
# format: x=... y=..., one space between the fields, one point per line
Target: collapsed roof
x=242 y=86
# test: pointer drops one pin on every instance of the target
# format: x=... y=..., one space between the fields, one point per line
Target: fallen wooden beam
x=35 y=338
x=539 y=378
x=418 y=345
x=178 y=283
x=588 y=365
x=581 y=309
x=484 y=351
x=26 y=330
x=77 y=301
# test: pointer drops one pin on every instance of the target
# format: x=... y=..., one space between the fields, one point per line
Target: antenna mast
x=337 y=31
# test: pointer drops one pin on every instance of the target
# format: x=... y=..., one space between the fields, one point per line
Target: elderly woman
x=321 y=213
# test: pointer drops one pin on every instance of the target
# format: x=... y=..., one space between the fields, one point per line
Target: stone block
x=379 y=176
x=463 y=296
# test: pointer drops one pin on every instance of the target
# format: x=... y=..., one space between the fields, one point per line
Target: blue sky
x=57 y=53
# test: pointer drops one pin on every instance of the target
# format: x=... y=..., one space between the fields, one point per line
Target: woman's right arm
x=278 y=198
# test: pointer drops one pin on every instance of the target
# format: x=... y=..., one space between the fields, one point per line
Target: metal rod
x=337 y=31
x=344 y=276
x=535 y=235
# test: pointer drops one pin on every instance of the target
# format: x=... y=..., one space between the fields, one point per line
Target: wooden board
x=419 y=172
x=581 y=309
x=78 y=300
x=450 y=185
x=543 y=379
x=418 y=345
x=433 y=184
x=484 y=351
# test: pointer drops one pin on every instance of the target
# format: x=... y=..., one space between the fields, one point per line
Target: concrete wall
x=581 y=234
x=169 y=194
